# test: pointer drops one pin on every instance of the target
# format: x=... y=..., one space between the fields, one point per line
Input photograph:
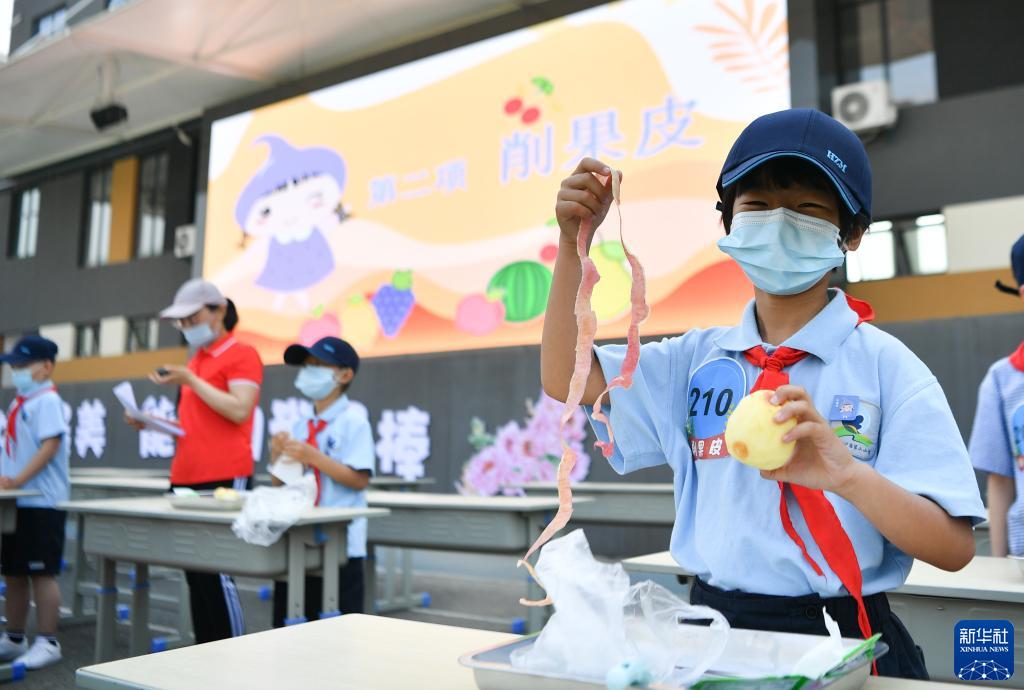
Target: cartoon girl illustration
x=293 y=199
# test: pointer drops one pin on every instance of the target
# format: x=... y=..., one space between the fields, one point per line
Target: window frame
x=16 y=228
x=106 y=169
x=160 y=155
x=79 y=330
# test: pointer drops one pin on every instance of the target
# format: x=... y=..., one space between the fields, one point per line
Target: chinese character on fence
x=156 y=444
x=91 y=431
x=286 y=413
x=404 y=442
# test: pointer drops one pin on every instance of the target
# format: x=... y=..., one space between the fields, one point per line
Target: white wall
x=64 y=335
x=113 y=336
x=980 y=234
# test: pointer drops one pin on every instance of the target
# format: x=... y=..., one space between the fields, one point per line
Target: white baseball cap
x=191 y=297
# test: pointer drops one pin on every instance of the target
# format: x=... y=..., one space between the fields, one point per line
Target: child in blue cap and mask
x=879 y=476
x=997 y=439
x=34 y=451
x=335 y=445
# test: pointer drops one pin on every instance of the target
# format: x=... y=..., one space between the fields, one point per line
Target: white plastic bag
x=270 y=511
x=600 y=621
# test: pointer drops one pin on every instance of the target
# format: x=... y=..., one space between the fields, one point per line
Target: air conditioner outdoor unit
x=184 y=241
x=864 y=106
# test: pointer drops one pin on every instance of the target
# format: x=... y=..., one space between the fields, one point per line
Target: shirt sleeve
x=989 y=448
x=246 y=369
x=356 y=449
x=920 y=448
x=48 y=421
x=641 y=415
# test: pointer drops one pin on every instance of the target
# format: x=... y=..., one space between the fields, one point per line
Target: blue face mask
x=23 y=381
x=198 y=336
x=316 y=383
x=781 y=251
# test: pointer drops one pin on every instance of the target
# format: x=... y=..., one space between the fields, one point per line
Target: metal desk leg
x=333 y=559
x=77 y=598
x=184 y=611
x=106 y=609
x=140 y=611
x=296 y=578
x=389 y=579
x=370 y=579
x=536 y=616
x=407 y=578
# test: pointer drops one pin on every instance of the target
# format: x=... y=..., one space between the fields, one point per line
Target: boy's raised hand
x=583 y=195
x=820 y=460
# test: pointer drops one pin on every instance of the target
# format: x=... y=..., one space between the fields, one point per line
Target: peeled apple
x=754 y=437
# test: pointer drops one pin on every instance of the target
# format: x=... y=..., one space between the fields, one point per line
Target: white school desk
x=149 y=531
x=351 y=652
x=616 y=503
x=930 y=603
x=475 y=524
x=113 y=482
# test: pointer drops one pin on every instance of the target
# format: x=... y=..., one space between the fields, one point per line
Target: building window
x=87 y=340
x=143 y=334
x=890 y=40
x=911 y=246
x=114 y=4
x=97 y=240
x=149 y=232
x=23 y=241
x=51 y=22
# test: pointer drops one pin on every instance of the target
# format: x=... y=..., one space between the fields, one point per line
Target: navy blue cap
x=809 y=134
x=31 y=348
x=1017 y=264
x=334 y=351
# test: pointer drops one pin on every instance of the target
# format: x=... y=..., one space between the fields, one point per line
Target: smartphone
x=162 y=372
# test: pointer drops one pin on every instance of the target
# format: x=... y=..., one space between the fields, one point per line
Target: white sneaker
x=9 y=650
x=42 y=654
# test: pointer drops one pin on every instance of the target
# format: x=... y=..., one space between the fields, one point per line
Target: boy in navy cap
x=336 y=446
x=34 y=457
x=879 y=476
x=997 y=439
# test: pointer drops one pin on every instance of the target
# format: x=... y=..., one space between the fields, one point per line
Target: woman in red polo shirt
x=219 y=390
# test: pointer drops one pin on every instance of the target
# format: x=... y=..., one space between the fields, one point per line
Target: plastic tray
x=492 y=670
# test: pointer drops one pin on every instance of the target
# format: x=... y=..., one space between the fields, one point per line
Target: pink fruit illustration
x=320 y=326
x=480 y=314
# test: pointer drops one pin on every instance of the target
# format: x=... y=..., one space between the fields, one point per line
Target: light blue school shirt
x=40 y=418
x=881 y=399
x=346 y=439
x=997 y=439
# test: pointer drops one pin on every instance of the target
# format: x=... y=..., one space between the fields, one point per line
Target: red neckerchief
x=819 y=514
x=1017 y=358
x=11 y=435
x=314 y=429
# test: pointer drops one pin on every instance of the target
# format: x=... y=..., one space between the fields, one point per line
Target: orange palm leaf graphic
x=752 y=42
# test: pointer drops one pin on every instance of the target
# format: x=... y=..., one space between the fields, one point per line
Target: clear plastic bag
x=600 y=621
x=270 y=511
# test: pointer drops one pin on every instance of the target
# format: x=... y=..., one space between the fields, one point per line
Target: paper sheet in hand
x=125 y=394
x=287 y=470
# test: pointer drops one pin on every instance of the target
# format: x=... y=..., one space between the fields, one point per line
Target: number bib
x=714 y=391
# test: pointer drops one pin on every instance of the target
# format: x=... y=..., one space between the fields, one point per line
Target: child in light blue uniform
x=336 y=446
x=880 y=474
x=997 y=439
x=34 y=457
